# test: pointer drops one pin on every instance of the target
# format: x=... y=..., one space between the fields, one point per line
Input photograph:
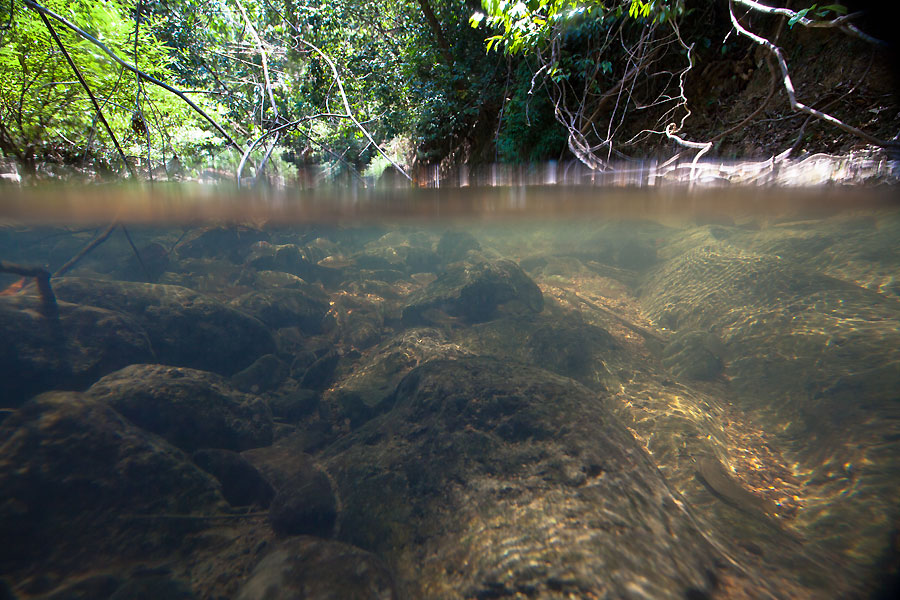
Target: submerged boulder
x=693 y=355
x=232 y=243
x=242 y=484
x=454 y=245
x=189 y=408
x=304 y=501
x=473 y=292
x=70 y=352
x=79 y=481
x=314 y=569
x=369 y=389
x=186 y=328
x=489 y=479
x=266 y=373
x=286 y=307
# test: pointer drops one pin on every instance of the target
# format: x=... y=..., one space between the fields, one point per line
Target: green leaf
x=836 y=8
x=801 y=14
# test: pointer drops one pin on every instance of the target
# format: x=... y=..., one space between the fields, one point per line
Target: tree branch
x=40 y=9
x=841 y=22
x=789 y=85
x=90 y=94
x=436 y=29
x=42 y=278
x=349 y=114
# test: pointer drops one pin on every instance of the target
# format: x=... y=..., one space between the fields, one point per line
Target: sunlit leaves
x=821 y=12
x=46 y=112
x=527 y=26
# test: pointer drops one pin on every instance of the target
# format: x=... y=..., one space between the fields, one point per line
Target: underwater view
x=480 y=393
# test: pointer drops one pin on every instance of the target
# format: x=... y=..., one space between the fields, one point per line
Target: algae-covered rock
x=231 y=243
x=369 y=389
x=265 y=374
x=694 y=355
x=242 y=484
x=80 y=481
x=314 y=569
x=185 y=328
x=491 y=479
x=286 y=307
x=70 y=352
x=454 y=245
x=473 y=292
x=191 y=409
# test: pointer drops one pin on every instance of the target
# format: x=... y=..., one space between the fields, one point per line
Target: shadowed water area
x=518 y=392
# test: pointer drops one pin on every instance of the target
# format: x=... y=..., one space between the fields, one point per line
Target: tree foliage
x=45 y=114
x=357 y=85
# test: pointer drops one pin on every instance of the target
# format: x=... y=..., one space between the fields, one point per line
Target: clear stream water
x=530 y=391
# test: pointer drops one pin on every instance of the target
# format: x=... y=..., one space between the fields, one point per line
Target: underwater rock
x=693 y=355
x=72 y=352
x=629 y=246
x=569 y=349
x=231 y=243
x=265 y=374
x=286 y=307
x=153 y=263
x=454 y=245
x=80 y=482
x=474 y=291
x=153 y=587
x=304 y=502
x=293 y=405
x=404 y=252
x=373 y=383
x=304 y=505
x=314 y=569
x=242 y=484
x=488 y=476
x=189 y=408
x=320 y=374
x=186 y=328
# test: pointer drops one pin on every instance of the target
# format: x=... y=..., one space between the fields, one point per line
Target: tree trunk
x=436 y=29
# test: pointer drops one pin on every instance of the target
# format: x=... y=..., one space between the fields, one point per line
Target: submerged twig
x=84 y=251
x=136 y=253
x=42 y=278
x=621 y=320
